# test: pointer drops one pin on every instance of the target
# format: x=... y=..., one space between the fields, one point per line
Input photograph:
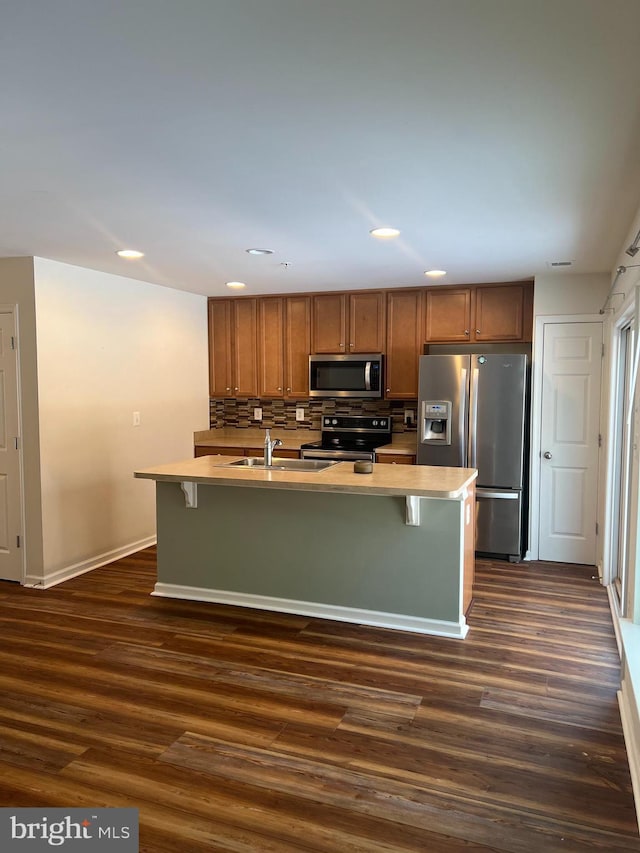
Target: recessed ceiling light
x=130 y=254
x=236 y=285
x=259 y=251
x=435 y=273
x=384 y=233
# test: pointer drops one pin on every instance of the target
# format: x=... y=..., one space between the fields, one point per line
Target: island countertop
x=417 y=480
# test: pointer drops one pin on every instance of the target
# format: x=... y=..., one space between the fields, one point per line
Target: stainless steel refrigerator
x=472 y=412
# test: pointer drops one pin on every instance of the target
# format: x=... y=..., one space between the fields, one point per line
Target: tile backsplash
x=281 y=414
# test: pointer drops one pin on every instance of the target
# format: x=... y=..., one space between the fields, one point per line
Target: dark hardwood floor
x=238 y=730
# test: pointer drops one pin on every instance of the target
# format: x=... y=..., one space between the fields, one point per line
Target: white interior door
x=10 y=482
x=572 y=374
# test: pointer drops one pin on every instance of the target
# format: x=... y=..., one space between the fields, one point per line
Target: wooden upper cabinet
x=271 y=347
x=348 y=322
x=244 y=327
x=366 y=322
x=220 y=367
x=404 y=343
x=500 y=312
x=233 y=369
x=284 y=335
x=329 y=323
x=297 y=345
x=503 y=313
x=260 y=346
x=448 y=314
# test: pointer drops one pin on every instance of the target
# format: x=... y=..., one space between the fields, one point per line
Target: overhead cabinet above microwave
x=345 y=375
x=348 y=323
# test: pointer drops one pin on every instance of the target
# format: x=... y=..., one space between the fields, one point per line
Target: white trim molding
x=628 y=701
x=81 y=568
x=375 y=618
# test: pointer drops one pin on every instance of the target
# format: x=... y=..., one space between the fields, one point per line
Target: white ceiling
x=497 y=135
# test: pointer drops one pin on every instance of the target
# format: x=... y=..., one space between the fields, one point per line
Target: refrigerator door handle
x=501 y=496
x=473 y=419
x=462 y=420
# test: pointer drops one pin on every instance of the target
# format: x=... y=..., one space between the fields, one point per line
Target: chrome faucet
x=269 y=446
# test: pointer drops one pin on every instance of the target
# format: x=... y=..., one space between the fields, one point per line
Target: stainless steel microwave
x=345 y=375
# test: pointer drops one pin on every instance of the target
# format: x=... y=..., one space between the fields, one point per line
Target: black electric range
x=349 y=437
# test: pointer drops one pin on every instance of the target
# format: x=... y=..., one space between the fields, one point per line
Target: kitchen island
x=394 y=548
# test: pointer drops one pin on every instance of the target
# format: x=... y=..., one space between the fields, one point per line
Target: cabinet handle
x=228 y=389
x=279 y=388
x=236 y=388
x=288 y=389
x=351 y=345
x=387 y=390
x=466 y=331
x=477 y=331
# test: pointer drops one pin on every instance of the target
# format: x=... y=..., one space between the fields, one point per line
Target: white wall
x=108 y=346
x=561 y=293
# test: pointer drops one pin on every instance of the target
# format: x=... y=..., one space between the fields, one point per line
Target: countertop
x=403 y=442
x=419 y=480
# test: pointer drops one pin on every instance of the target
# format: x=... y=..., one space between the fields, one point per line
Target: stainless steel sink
x=304 y=465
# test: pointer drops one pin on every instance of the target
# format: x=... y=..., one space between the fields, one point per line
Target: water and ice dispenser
x=435 y=422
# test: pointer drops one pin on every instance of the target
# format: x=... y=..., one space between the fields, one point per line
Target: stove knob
x=375 y=423
x=334 y=421
x=383 y=424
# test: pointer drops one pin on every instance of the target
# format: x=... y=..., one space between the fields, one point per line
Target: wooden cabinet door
x=220 y=358
x=297 y=345
x=245 y=362
x=404 y=344
x=499 y=314
x=329 y=323
x=448 y=314
x=366 y=322
x=271 y=347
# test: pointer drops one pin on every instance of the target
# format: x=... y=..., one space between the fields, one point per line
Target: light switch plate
x=299 y=413
x=257 y=414
x=136 y=418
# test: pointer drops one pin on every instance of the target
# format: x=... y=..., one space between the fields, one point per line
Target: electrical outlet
x=136 y=418
x=299 y=413
x=257 y=414
x=409 y=416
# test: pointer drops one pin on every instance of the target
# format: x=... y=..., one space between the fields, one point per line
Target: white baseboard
x=72 y=571
x=378 y=619
x=629 y=717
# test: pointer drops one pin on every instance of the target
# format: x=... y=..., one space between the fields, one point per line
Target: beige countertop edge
x=399 y=480
x=402 y=449
x=400 y=444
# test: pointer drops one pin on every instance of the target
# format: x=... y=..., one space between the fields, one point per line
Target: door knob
x=547 y=454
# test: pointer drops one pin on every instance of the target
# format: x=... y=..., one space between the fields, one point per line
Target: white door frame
x=536 y=419
x=608 y=538
x=13 y=308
